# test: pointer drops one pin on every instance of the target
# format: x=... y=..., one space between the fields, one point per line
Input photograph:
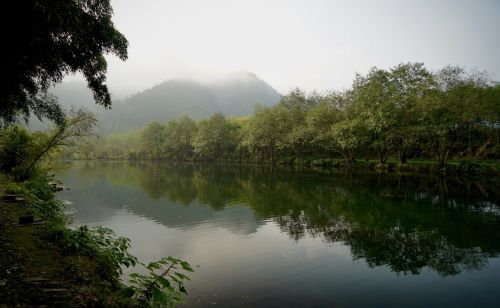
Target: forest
x=224 y=188
x=405 y=112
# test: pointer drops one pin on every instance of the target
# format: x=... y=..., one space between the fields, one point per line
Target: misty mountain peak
x=241 y=77
x=234 y=95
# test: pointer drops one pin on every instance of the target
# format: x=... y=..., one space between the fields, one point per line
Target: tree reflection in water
x=408 y=223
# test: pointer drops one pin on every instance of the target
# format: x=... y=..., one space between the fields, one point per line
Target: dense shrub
x=15 y=145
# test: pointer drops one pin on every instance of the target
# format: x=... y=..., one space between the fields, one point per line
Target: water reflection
x=406 y=223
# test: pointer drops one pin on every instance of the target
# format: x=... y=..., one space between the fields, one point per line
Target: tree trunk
x=469 y=151
x=352 y=157
x=382 y=155
x=402 y=156
x=157 y=146
x=52 y=142
x=443 y=154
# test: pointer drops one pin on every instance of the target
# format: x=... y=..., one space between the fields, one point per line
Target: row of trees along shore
x=404 y=112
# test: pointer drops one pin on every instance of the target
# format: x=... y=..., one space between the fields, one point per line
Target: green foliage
x=105 y=250
x=76 y=127
x=22 y=153
x=162 y=286
x=15 y=145
x=350 y=136
x=180 y=135
x=267 y=131
x=100 y=243
x=373 y=100
x=214 y=139
x=39 y=195
x=58 y=37
x=400 y=113
x=319 y=121
x=153 y=137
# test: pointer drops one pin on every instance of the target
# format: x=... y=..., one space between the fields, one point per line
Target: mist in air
x=317 y=45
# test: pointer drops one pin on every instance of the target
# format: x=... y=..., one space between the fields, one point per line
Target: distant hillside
x=237 y=94
x=70 y=94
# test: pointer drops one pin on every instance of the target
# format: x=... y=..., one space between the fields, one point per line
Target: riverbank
x=412 y=167
x=36 y=268
x=48 y=263
x=30 y=266
x=454 y=167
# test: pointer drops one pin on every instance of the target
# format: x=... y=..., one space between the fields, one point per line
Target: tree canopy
x=401 y=113
x=47 y=40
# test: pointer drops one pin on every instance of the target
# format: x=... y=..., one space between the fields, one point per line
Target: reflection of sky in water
x=248 y=259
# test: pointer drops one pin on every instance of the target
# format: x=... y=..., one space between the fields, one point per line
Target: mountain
x=236 y=94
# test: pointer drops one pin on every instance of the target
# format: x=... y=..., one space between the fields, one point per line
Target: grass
x=36 y=270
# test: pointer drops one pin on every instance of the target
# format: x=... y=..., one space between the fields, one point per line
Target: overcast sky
x=311 y=44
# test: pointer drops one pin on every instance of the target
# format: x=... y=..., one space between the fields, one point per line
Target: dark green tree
x=45 y=40
x=153 y=138
x=15 y=145
x=215 y=139
x=373 y=98
x=179 y=136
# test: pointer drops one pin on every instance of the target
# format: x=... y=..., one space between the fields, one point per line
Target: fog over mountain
x=236 y=94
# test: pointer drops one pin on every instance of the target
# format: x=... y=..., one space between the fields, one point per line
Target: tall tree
x=215 y=139
x=153 y=138
x=456 y=106
x=267 y=131
x=351 y=136
x=411 y=82
x=78 y=125
x=320 y=118
x=179 y=137
x=373 y=96
x=45 y=40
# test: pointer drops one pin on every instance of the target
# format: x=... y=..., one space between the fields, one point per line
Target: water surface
x=259 y=236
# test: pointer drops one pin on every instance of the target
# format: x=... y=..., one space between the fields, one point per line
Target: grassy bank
x=417 y=166
x=453 y=167
x=48 y=263
x=40 y=267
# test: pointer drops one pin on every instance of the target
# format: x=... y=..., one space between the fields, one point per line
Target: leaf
x=186 y=266
x=153 y=265
x=128 y=292
x=159 y=296
x=181 y=288
x=163 y=281
x=181 y=276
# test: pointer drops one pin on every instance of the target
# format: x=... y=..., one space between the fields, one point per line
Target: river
x=261 y=236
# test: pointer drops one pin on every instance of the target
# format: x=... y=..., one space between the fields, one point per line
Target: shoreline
x=37 y=268
x=416 y=167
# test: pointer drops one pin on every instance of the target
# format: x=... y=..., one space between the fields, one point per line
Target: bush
x=39 y=196
x=15 y=143
x=100 y=243
x=162 y=286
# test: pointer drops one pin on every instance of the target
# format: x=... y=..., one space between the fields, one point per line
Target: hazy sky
x=310 y=44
